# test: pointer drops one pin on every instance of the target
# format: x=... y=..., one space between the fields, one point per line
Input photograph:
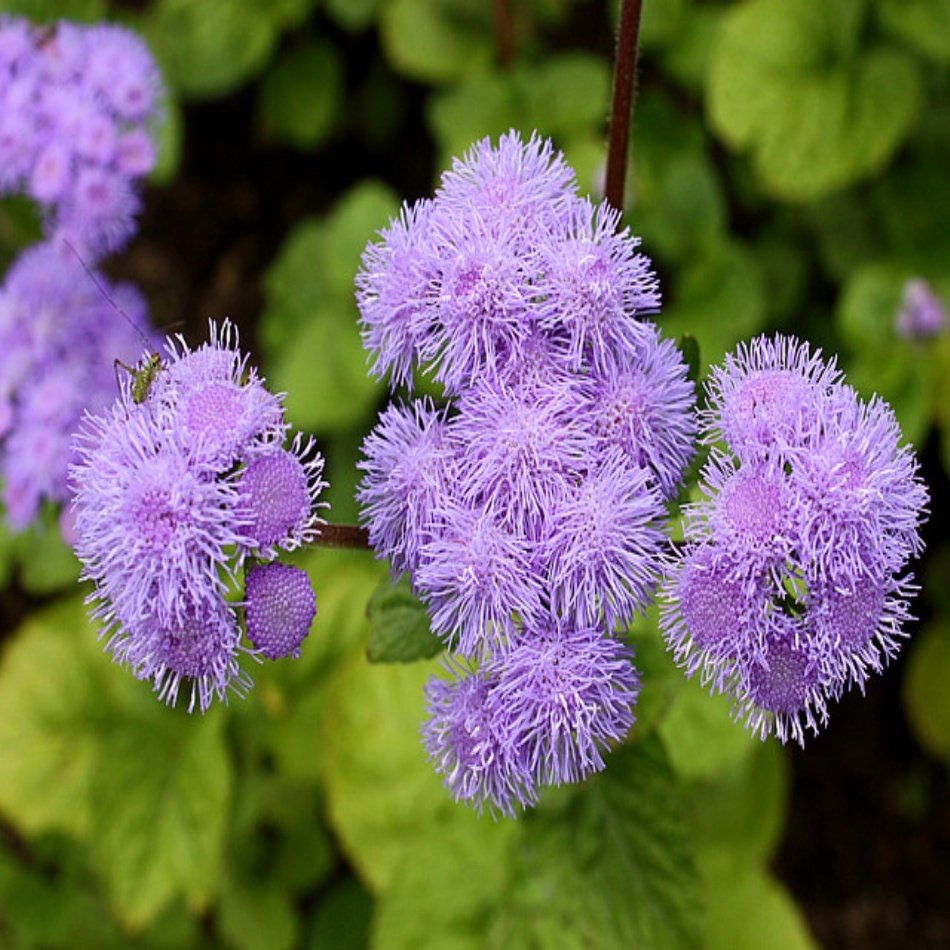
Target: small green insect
x=143 y=375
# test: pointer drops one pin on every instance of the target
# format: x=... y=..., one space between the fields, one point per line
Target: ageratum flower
x=468 y=747
x=792 y=586
x=594 y=288
x=174 y=494
x=280 y=608
x=76 y=108
x=528 y=509
x=604 y=545
x=542 y=712
x=517 y=445
x=409 y=468
x=563 y=695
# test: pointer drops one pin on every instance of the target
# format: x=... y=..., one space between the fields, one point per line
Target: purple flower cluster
x=57 y=323
x=921 y=315
x=175 y=496
x=791 y=585
x=529 y=509
x=75 y=104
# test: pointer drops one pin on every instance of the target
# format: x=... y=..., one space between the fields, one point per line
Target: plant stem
x=505 y=32
x=625 y=69
x=343 y=536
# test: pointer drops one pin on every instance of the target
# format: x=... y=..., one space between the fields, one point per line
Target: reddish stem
x=505 y=32
x=625 y=71
x=343 y=536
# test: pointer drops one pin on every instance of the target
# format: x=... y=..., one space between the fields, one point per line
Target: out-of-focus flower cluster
x=529 y=509
x=921 y=315
x=75 y=107
x=59 y=333
x=791 y=585
x=184 y=496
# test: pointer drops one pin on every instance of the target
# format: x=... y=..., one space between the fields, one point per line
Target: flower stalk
x=621 y=113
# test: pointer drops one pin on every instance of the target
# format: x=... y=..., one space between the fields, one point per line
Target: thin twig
x=625 y=70
x=504 y=32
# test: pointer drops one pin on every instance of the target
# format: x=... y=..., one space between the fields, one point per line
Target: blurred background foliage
x=788 y=171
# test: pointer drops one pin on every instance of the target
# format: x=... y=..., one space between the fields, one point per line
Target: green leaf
x=742 y=811
x=661 y=678
x=699 y=733
x=57 y=904
x=257 y=916
x=846 y=231
x=342 y=919
x=355 y=220
x=293 y=287
x=925 y=689
x=301 y=95
x=41 y=11
x=294 y=699
x=47 y=563
x=465 y=113
x=343 y=454
x=744 y=903
x=688 y=346
x=87 y=750
x=904 y=373
x=562 y=98
x=790 y=83
x=451 y=887
x=49 y=741
x=687 y=59
x=662 y=21
x=868 y=306
x=914 y=207
x=682 y=211
x=400 y=625
x=567 y=94
x=718 y=298
x=160 y=814
x=613 y=867
x=353 y=14
x=925 y=24
x=207 y=49
x=380 y=788
x=325 y=375
x=310 y=322
x=169 y=134
x=437 y=41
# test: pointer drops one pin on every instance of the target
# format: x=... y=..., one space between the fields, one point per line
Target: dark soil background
x=867 y=847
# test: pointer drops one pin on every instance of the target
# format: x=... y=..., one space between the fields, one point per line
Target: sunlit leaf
x=451 y=885
x=741 y=812
x=206 y=49
x=701 y=738
x=86 y=749
x=792 y=84
x=437 y=40
x=744 y=903
x=380 y=788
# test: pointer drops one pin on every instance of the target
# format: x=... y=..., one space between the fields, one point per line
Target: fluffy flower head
x=792 y=586
x=168 y=506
